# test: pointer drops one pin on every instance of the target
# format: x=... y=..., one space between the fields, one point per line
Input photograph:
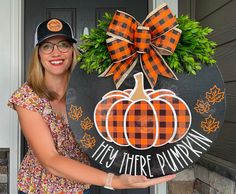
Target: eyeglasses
x=48 y=47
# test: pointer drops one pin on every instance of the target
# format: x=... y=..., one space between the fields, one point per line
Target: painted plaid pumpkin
x=142 y=118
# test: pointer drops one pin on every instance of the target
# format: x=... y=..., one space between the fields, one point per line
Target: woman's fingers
x=137 y=179
x=129 y=181
x=160 y=179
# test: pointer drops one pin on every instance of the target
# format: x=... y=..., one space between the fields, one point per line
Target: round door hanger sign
x=141 y=131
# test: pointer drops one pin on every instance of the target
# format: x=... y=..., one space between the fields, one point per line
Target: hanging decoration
x=157 y=105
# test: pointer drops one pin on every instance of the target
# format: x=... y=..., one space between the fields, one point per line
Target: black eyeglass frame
x=57 y=45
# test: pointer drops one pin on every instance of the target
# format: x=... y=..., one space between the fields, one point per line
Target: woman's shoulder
x=25 y=97
x=24 y=89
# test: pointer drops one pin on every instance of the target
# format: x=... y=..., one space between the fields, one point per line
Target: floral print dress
x=32 y=176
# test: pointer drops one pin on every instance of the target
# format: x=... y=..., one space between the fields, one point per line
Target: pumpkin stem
x=138 y=91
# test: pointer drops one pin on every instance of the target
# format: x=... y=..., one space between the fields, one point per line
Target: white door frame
x=16 y=78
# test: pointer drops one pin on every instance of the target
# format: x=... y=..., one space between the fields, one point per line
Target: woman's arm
x=40 y=140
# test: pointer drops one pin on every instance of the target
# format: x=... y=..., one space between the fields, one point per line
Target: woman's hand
x=129 y=181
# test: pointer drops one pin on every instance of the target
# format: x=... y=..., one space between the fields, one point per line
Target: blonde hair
x=35 y=77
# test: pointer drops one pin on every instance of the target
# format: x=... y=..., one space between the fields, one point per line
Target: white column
x=10 y=79
x=173 y=5
x=15 y=81
x=4 y=72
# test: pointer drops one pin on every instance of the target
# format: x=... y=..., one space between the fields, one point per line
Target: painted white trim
x=4 y=74
x=172 y=4
x=17 y=67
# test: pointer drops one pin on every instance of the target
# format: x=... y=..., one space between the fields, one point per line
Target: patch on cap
x=54 y=25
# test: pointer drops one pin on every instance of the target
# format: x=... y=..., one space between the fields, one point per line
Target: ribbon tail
x=119 y=81
x=152 y=80
x=109 y=70
x=120 y=70
x=153 y=64
x=165 y=70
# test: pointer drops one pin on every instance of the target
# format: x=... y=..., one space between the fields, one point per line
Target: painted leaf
x=75 y=112
x=215 y=95
x=210 y=124
x=202 y=107
x=87 y=141
x=86 y=124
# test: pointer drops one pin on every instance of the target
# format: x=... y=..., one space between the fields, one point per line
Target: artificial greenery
x=94 y=54
x=193 y=49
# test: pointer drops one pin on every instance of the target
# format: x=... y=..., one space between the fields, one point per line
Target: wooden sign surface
x=124 y=134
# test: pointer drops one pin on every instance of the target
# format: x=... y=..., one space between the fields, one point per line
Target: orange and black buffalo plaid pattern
x=141 y=128
x=116 y=121
x=123 y=25
x=153 y=64
x=167 y=42
x=120 y=50
x=166 y=121
x=183 y=116
x=101 y=113
x=160 y=21
x=142 y=124
x=142 y=39
x=156 y=36
x=157 y=93
x=119 y=69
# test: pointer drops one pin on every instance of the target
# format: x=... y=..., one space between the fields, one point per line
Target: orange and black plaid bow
x=131 y=41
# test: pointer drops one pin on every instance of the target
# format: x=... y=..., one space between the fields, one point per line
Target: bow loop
x=142 y=39
x=166 y=43
x=158 y=35
x=122 y=26
x=160 y=21
x=119 y=50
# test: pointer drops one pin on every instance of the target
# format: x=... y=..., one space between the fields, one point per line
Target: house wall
x=4 y=171
x=198 y=179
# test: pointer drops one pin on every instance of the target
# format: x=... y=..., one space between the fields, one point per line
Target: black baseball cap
x=53 y=27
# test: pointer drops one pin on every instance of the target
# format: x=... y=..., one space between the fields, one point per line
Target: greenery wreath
x=193 y=49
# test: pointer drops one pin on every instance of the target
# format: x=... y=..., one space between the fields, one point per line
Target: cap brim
x=53 y=35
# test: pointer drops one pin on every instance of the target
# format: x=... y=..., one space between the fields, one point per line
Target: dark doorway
x=80 y=15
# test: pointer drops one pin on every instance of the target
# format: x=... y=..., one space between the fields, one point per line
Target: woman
x=55 y=162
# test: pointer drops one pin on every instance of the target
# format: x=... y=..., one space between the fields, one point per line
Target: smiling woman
x=55 y=162
x=56 y=56
x=50 y=33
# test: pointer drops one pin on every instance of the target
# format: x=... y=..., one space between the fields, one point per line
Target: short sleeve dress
x=32 y=176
